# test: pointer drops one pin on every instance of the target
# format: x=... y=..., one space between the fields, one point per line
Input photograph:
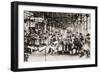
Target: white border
x=22 y=64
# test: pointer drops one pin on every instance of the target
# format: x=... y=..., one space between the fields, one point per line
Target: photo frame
x=52 y=36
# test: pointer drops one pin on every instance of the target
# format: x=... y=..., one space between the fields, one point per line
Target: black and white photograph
x=53 y=36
